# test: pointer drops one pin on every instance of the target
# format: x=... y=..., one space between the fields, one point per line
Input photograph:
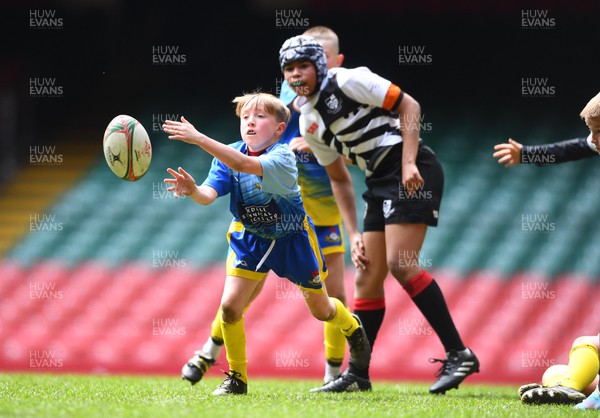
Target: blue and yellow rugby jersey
x=315 y=187
x=269 y=206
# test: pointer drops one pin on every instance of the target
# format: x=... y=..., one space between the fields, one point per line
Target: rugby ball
x=127 y=148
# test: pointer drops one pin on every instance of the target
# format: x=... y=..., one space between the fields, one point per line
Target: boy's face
x=301 y=76
x=594 y=125
x=259 y=129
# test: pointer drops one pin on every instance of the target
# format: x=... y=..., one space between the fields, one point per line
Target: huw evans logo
x=291 y=359
x=537 y=223
x=167 y=55
x=538 y=154
x=167 y=259
x=418 y=327
x=536 y=359
x=44 y=291
x=414 y=55
x=160 y=191
x=44 y=19
x=537 y=19
x=537 y=87
x=417 y=123
x=44 y=155
x=45 y=360
x=413 y=259
x=291 y=19
x=158 y=120
x=537 y=290
x=169 y=327
x=46 y=222
x=44 y=87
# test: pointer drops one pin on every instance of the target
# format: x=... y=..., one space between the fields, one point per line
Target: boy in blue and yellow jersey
x=320 y=205
x=270 y=230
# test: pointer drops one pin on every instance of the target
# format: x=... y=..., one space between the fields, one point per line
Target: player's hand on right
x=182 y=183
x=357 y=252
x=508 y=153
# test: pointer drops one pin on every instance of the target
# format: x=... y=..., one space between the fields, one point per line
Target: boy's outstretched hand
x=183 y=183
x=508 y=153
x=181 y=131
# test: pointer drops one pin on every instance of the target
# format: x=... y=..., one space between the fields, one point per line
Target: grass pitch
x=47 y=395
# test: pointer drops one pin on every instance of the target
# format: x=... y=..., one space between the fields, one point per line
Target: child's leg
x=332 y=310
x=404 y=242
x=334 y=339
x=369 y=296
x=195 y=368
x=236 y=296
x=582 y=368
x=214 y=343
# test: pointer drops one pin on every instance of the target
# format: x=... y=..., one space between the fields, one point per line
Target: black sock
x=433 y=306
x=371 y=321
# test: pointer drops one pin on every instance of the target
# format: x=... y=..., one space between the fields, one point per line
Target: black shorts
x=389 y=203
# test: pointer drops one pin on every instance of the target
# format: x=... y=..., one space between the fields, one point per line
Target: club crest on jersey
x=316 y=278
x=333 y=236
x=387 y=208
x=333 y=103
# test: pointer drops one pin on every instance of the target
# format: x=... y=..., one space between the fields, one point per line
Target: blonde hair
x=271 y=104
x=325 y=34
x=592 y=109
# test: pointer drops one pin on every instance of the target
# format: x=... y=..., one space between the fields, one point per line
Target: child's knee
x=403 y=270
x=321 y=316
x=586 y=339
x=369 y=283
x=230 y=313
x=322 y=310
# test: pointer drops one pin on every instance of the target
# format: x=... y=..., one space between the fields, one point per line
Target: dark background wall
x=101 y=56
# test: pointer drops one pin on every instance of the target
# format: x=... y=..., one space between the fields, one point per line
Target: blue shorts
x=331 y=238
x=296 y=257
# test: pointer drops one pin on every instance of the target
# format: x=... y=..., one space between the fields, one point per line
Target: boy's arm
x=557 y=152
x=204 y=195
x=232 y=158
x=513 y=153
x=409 y=111
x=343 y=191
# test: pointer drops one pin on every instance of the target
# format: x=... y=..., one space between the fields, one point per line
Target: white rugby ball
x=127 y=148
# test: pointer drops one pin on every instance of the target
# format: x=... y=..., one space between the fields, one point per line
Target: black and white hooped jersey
x=352 y=115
